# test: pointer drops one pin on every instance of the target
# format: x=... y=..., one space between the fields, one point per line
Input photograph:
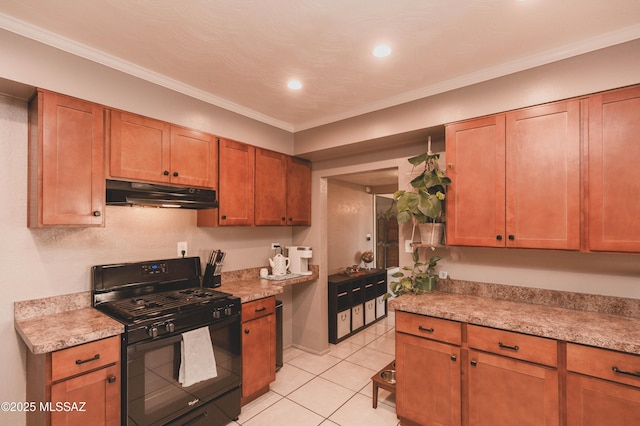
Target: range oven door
x=154 y=395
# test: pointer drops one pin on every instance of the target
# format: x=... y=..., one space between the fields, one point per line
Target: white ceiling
x=239 y=54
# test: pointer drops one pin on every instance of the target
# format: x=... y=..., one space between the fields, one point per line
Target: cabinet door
x=298 y=192
x=428 y=381
x=258 y=354
x=543 y=176
x=475 y=153
x=66 y=162
x=595 y=402
x=194 y=158
x=98 y=390
x=613 y=176
x=504 y=391
x=271 y=188
x=237 y=171
x=140 y=148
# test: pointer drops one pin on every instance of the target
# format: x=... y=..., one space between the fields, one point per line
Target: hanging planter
x=423 y=204
x=431 y=233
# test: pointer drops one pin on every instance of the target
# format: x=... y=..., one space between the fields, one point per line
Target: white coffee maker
x=299 y=259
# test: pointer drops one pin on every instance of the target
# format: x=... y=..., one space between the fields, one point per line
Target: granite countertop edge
x=61 y=330
x=608 y=331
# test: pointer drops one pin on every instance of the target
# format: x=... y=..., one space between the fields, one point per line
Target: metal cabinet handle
x=454 y=358
x=344 y=293
x=175 y=174
x=83 y=361
x=111 y=379
x=261 y=309
x=627 y=373
x=503 y=346
x=512 y=237
x=246 y=331
x=223 y=217
x=97 y=213
x=427 y=330
x=499 y=237
x=166 y=173
x=474 y=363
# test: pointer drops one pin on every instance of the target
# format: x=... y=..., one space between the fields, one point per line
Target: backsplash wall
x=39 y=263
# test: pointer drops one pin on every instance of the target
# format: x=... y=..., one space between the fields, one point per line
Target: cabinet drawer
x=514 y=345
x=429 y=327
x=603 y=363
x=258 y=308
x=79 y=359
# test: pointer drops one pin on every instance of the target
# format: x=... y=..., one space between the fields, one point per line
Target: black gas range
x=158 y=301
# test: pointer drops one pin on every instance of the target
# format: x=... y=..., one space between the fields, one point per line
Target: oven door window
x=153 y=392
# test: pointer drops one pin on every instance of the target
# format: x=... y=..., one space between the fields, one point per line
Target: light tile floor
x=332 y=389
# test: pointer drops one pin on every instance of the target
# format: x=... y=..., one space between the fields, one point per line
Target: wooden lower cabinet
x=505 y=391
x=603 y=387
x=258 y=347
x=428 y=381
x=79 y=385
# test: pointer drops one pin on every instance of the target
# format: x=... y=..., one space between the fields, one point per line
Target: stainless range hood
x=122 y=193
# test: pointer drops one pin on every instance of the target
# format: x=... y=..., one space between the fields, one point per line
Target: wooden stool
x=379 y=383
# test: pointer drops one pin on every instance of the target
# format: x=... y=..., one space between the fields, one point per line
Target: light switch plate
x=407 y=246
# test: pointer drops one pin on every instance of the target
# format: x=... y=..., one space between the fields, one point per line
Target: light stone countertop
x=600 y=329
x=61 y=330
x=247 y=285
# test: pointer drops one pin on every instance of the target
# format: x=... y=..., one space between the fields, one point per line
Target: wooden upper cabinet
x=298 y=192
x=237 y=173
x=543 y=176
x=140 y=147
x=271 y=188
x=613 y=174
x=194 y=158
x=516 y=179
x=66 y=162
x=475 y=154
x=145 y=149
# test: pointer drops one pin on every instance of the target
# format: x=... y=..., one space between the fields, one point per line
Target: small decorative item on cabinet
x=423 y=204
x=422 y=279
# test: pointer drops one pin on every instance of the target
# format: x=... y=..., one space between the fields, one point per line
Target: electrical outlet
x=182 y=249
x=275 y=246
x=407 y=246
x=443 y=275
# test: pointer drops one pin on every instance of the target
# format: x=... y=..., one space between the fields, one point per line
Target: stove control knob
x=217 y=314
x=170 y=327
x=152 y=331
x=228 y=311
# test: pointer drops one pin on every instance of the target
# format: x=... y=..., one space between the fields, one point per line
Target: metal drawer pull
x=261 y=309
x=344 y=293
x=627 y=373
x=428 y=330
x=111 y=379
x=453 y=358
x=368 y=285
x=82 y=361
x=503 y=346
x=474 y=363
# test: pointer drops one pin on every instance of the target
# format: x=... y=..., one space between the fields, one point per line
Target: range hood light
x=173 y=206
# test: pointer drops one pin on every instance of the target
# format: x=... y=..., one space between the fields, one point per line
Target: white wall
x=351 y=220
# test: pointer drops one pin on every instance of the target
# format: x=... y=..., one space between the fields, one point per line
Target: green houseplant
x=421 y=278
x=423 y=204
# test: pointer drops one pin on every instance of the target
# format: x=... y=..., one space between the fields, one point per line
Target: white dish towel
x=198 y=361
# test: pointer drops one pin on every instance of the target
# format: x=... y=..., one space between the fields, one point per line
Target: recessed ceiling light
x=294 y=85
x=381 y=51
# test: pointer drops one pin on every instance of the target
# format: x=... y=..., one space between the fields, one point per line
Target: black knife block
x=209 y=280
